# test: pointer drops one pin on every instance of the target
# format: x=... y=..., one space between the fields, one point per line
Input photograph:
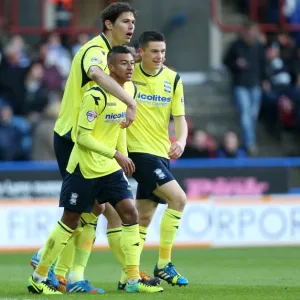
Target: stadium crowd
x=266 y=83
x=31 y=86
x=265 y=72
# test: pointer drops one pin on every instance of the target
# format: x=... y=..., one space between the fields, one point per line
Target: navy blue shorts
x=62 y=148
x=78 y=193
x=150 y=171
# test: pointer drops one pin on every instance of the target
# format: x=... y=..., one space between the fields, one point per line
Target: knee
x=130 y=216
x=178 y=202
x=98 y=209
x=145 y=219
x=71 y=219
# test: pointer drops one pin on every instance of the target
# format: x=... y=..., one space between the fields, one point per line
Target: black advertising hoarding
x=30 y=183
x=232 y=181
x=197 y=177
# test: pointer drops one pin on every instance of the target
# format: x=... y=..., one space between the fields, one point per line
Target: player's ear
x=111 y=67
x=108 y=25
x=140 y=51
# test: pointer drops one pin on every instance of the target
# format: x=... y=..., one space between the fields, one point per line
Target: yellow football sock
x=143 y=233
x=84 y=242
x=130 y=243
x=66 y=256
x=168 y=229
x=114 y=241
x=56 y=242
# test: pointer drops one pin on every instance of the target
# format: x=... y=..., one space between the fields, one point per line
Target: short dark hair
x=123 y=49
x=150 y=36
x=114 y=10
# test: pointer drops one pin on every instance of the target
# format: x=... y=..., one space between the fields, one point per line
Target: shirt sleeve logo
x=96 y=60
x=91 y=115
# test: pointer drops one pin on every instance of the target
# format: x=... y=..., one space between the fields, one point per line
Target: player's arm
x=122 y=153
x=94 y=65
x=178 y=112
x=122 y=143
x=89 y=111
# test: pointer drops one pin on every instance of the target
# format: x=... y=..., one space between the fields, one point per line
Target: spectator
x=10 y=136
x=42 y=148
x=36 y=94
x=82 y=39
x=17 y=41
x=287 y=48
x=58 y=55
x=277 y=83
x=53 y=80
x=201 y=146
x=12 y=78
x=230 y=147
x=245 y=61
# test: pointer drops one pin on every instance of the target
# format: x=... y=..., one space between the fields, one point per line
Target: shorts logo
x=96 y=60
x=91 y=115
x=167 y=86
x=182 y=100
x=160 y=174
x=73 y=199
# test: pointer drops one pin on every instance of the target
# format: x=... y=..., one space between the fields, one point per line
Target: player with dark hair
x=94 y=171
x=89 y=66
x=159 y=95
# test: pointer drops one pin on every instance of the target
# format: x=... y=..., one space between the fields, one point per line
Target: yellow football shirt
x=93 y=53
x=158 y=97
x=101 y=113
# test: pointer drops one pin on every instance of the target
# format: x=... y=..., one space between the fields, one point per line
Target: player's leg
x=157 y=183
x=146 y=209
x=114 y=233
x=83 y=247
x=173 y=194
x=130 y=246
x=56 y=242
x=118 y=191
x=62 y=148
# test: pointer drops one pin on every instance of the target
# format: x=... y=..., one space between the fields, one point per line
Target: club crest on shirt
x=91 y=115
x=96 y=60
x=167 y=86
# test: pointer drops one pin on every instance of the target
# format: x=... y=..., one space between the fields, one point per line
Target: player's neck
x=118 y=80
x=110 y=39
x=149 y=71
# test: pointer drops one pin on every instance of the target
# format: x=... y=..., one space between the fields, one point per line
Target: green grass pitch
x=245 y=273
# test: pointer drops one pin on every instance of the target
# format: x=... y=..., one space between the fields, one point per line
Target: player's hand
x=125 y=163
x=130 y=115
x=176 y=150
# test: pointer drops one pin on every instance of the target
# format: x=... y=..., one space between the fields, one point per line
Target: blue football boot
x=51 y=275
x=83 y=286
x=170 y=275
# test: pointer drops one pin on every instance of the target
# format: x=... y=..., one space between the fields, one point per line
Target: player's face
x=153 y=55
x=123 y=67
x=123 y=28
